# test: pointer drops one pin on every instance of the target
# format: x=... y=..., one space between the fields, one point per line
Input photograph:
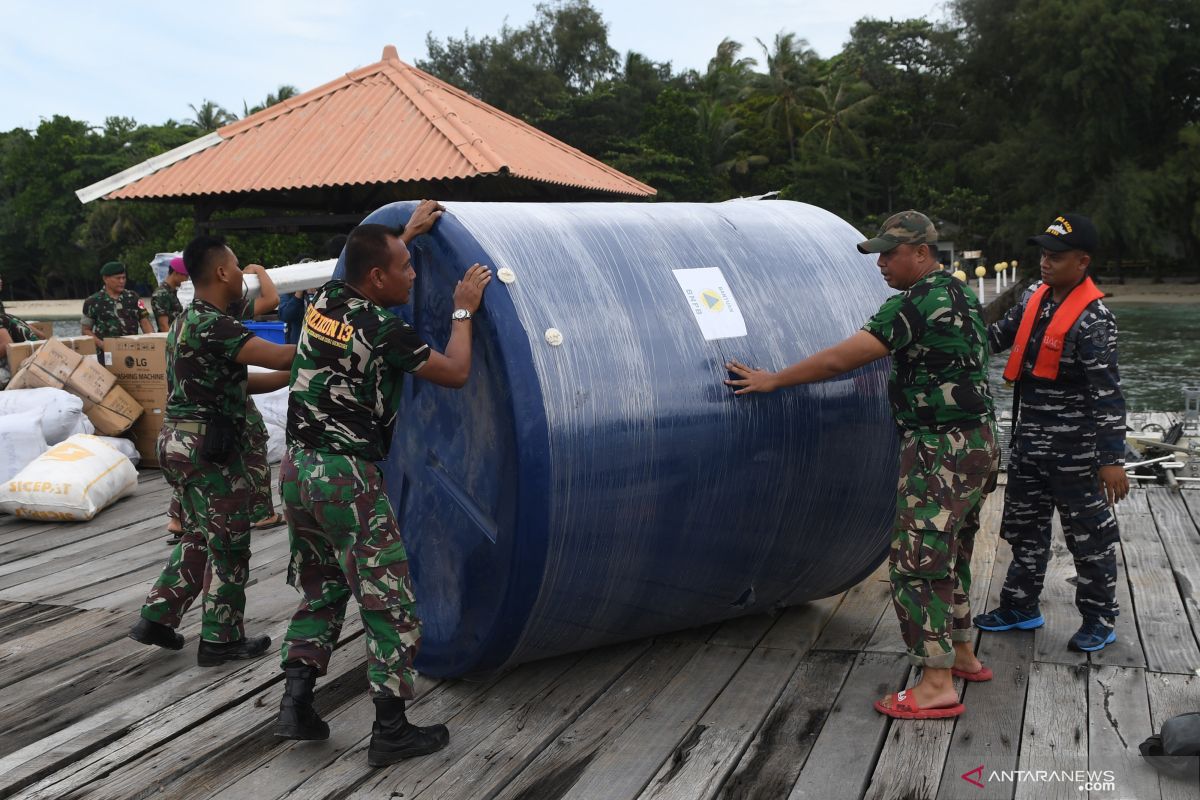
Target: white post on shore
x=980 y=271
x=997 y=269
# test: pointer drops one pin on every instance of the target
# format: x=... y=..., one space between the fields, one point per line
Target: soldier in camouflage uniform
x=1068 y=445
x=259 y=468
x=351 y=362
x=203 y=452
x=114 y=310
x=948 y=454
x=165 y=300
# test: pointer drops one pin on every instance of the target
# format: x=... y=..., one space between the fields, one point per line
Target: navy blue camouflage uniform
x=1066 y=430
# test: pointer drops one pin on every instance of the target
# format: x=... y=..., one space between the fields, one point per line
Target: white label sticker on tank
x=711 y=301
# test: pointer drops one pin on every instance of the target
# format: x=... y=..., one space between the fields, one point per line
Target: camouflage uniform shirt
x=165 y=303
x=17 y=329
x=1081 y=415
x=346 y=379
x=934 y=330
x=119 y=316
x=205 y=381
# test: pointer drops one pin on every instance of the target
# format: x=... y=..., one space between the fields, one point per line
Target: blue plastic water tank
x=611 y=487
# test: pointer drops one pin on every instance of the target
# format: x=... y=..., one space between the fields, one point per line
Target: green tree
x=789 y=72
x=210 y=116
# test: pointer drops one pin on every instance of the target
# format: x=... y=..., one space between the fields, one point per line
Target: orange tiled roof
x=384 y=123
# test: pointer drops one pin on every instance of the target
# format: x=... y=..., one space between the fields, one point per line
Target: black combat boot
x=394 y=738
x=156 y=633
x=297 y=717
x=212 y=654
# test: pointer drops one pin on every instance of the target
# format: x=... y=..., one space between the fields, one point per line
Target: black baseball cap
x=1068 y=232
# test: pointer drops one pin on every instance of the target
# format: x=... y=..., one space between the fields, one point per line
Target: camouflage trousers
x=1035 y=488
x=345 y=540
x=213 y=555
x=944 y=478
x=257 y=468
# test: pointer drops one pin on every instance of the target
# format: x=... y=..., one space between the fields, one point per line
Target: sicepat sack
x=74 y=480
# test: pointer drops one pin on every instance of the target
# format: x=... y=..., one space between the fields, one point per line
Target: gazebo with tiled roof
x=381 y=133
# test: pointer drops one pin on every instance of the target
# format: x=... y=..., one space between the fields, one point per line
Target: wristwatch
x=460 y=314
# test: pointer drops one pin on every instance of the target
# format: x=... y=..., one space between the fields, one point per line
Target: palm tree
x=727 y=75
x=720 y=135
x=284 y=92
x=833 y=112
x=788 y=74
x=210 y=116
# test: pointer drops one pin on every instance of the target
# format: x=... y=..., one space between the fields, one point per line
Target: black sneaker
x=1092 y=636
x=157 y=634
x=1006 y=619
x=213 y=654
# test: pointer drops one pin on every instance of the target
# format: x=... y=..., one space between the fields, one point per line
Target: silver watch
x=460 y=314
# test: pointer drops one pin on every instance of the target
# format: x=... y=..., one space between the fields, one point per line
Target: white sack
x=73 y=480
x=60 y=413
x=20 y=442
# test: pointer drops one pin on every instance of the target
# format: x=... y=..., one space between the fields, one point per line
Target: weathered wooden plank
x=1162 y=621
x=1171 y=695
x=1134 y=503
x=38 y=706
x=54 y=561
x=989 y=732
x=144 y=718
x=627 y=762
x=50 y=634
x=862 y=607
x=267 y=772
x=197 y=761
x=767 y=765
x=743 y=631
x=493 y=763
x=472 y=723
x=1118 y=720
x=1055 y=733
x=1181 y=540
x=796 y=628
x=31 y=616
x=148 y=501
x=561 y=762
x=843 y=756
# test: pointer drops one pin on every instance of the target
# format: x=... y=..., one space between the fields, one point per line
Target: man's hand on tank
x=423 y=218
x=750 y=379
x=1115 y=482
x=468 y=293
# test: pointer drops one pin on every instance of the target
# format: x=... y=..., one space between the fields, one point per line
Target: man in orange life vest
x=1068 y=446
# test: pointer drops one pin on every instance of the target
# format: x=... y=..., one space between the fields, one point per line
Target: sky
x=149 y=61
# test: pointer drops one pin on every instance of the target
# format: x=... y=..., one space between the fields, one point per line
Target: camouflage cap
x=907 y=227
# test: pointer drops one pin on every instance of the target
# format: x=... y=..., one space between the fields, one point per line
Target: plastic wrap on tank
x=595 y=481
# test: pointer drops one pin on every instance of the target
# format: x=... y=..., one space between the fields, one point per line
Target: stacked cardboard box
x=20 y=351
x=107 y=405
x=139 y=365
x=44 y=330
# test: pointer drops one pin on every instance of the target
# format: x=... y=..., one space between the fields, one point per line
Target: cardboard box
x=19 y=352
x=114 y=414
x=44 y=330
x=107 y=405
x=139 y=364
x=145 y=435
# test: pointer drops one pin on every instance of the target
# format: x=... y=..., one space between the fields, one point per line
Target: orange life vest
x=1051 y=350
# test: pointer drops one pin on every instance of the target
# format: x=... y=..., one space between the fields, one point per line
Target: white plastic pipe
x=288 y=278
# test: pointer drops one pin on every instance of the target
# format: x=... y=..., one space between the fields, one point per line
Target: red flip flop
x=904 y=707
x=984 y=674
